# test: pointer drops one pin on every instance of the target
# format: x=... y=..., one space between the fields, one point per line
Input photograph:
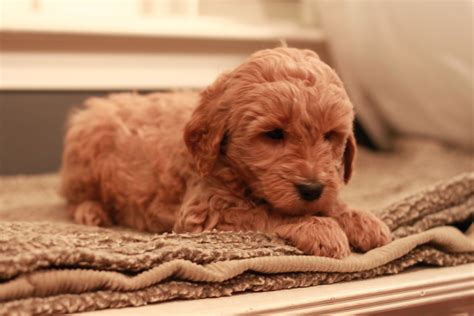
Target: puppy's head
x=283 y=122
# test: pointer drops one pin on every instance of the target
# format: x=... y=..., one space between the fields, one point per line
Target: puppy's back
x=112 y=146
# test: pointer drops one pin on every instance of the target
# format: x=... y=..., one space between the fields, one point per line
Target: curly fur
x=126 y=161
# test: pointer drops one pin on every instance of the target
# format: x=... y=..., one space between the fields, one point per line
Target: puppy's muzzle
x=310 y=191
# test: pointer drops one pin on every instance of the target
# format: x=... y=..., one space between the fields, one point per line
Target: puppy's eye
x=277 y=134
x=329 y=135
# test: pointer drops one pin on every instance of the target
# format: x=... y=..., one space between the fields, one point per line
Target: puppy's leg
x=320 y=236
x=202 y=217
x=90 y=213
x=364 y=230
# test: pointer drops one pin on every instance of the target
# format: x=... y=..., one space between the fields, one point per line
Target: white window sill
x=169 y=27
x=397 y=293
x=55 y=55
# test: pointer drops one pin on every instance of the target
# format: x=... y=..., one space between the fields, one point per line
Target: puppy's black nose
x=310 y=191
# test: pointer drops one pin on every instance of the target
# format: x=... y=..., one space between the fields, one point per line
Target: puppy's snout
x=310 y=191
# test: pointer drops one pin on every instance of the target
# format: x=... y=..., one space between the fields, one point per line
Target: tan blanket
x=54 y=267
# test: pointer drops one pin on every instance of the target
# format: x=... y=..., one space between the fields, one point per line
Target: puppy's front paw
x=319 y=236
x=364 y=230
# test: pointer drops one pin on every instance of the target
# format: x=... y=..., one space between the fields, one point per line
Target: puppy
x=266 y=147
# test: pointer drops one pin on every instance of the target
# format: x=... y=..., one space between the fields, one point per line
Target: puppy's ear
x=349 y=157
x=205 y=130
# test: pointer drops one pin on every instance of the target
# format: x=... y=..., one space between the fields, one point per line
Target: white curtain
x=408 y=65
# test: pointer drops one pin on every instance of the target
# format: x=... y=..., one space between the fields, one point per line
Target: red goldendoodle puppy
x=266 y=147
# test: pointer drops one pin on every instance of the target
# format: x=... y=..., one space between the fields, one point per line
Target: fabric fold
x=52 y=282
x=59 y=268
